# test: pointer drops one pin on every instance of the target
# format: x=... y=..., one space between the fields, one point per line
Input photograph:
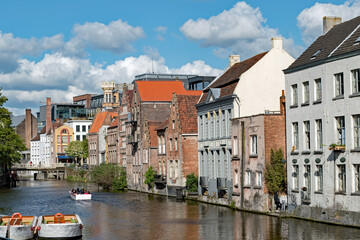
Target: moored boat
x=59 y=226
x=18 y=226
x=80 y=196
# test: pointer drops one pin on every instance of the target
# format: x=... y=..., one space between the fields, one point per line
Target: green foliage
x=275 y=175
x=76 y=175
x=192 y=183
x=78 y=149
x=149 y=177
x=120 y=182
x=109 y=176
x=10 y=143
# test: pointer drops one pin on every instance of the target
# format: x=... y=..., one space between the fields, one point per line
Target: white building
x=323 y=120
x=80 y=127
x=246 y=88
x=40 y=149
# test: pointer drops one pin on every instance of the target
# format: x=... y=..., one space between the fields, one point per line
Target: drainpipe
x=242 y=163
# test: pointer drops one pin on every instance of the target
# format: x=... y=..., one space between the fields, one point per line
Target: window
x=163 y=144
x=211 y=125
x=206 y=131
x=170 y=144
x=176 y=145
x=307 y=135
x=355 y=81
x=77 y=137
x=78 y=128
x=294 y=99
x=84 y=128
x=295 y=139
x=319 y=178
x=201 y=127
x=295 y=176
x=306 y=92
x=357 y=177
x=340 y=127
x=173 y=124
x=341 y=178
x=248 y=178
x=228 y=123
x=307 y=177
x=339 y=84
x=258 y=178
x=83 y=137
x=356 y=131
x=217 y=134
x=319 y=137
x=254 y=144
x=318 y=93
x=223 y=129
x=235 y=146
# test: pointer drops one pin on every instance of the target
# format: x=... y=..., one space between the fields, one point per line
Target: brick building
x=151 y=103
x=179 y=133
x=253 y=137
x=112 y=142
x=27 y=128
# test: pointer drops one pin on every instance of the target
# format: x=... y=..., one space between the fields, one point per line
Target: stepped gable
x=337 y=41
x=187 y=112
x=228 y=81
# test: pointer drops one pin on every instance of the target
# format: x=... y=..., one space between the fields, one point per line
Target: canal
x=134 y=215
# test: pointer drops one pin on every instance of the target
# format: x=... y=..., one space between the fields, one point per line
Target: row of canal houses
x=224 y=133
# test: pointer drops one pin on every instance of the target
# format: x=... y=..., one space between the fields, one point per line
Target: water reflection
x=134 y=215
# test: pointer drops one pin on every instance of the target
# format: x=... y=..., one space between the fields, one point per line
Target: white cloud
x=240 y=30
x=62 y=77
x=310 y=20
x=161 y=29
x=115 y=37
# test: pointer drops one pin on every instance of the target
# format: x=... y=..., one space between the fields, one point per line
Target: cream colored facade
x=62 y=137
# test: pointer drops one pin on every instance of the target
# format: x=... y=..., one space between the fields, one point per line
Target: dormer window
x=315 y=54
x=357 y=41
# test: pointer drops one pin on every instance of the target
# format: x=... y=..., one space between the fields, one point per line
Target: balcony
x=133 y=138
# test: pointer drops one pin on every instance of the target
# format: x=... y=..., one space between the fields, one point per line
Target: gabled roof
x=53 y=126
x=228 y=81
x=187 y=113
x=163 y=125
x=159 y=91
x=16 y=120
x=36 y=138
x=114 y=123
x=338 y=41
x=98 y=122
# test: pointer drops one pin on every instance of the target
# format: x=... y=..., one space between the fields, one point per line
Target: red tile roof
x=114 y=123
x=159 y=91
x=100 y=120
x=187 y=113
x=228 y=81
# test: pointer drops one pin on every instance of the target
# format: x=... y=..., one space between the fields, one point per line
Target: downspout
x=242 y=163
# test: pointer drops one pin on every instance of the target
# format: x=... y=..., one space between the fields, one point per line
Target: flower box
x=337 y=147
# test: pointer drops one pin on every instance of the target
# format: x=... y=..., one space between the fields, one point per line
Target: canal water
x=133 y=215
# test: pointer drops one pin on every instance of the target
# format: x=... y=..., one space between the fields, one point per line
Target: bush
x=192 y=183
x=275 y=175
x=109 y=176
x=149 y=177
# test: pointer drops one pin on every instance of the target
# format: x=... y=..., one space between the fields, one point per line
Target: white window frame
x=294 y=95
x=306 y=92
x=339 y=84
x=254 y=150
x=318 y=89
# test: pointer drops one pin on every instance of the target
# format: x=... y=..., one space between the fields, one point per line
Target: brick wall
x=190 y=155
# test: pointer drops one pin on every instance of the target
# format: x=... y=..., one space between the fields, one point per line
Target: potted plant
x=336 y=147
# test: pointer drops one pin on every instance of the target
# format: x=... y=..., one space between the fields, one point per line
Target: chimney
x=329 y=23
x=48 y=114
x=28 y=128
x=233 y=59
x=276 y=43
x=282 y=102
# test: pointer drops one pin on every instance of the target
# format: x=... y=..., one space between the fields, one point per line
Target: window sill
x=235 y=158
x=247 y=186
x=294 y=106
x=355 y=150
x=294 y=153
x=295 y=191
x=318 y=152
x=340 y=193
x=354 y=95
x=236 y=185
x=318 y=192
x=257 y=187
x=317 y=102
x=305 y=104
x=355 y=194
x=253 y=156
x=161 y=154
x=305 y=152
x=338 y=98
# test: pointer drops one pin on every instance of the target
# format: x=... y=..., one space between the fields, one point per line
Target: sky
x=64 y=48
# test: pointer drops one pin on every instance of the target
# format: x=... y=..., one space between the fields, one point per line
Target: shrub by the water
x=109 y=176
x=192 y=183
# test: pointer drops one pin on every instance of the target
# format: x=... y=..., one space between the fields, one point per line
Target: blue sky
x=64 y=48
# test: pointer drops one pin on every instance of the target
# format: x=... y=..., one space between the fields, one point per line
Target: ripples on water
x=133 y=215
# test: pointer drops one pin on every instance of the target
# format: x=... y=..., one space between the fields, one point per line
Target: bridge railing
x=33 y=166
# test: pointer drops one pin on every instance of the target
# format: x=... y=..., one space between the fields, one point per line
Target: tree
x=275 y=175
x=78 y=149
x=109 y=176
x=11 y=144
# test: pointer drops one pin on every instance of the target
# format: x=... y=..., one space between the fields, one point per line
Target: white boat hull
x=21 y=232
x=80 y=196
x=62 y=230
x=3 y=231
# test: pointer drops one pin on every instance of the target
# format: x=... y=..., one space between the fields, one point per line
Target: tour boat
x=59 y=226
x=18 y=226
x=80 y=196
